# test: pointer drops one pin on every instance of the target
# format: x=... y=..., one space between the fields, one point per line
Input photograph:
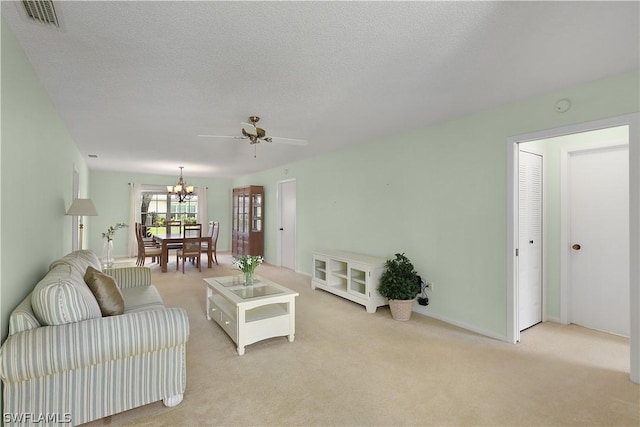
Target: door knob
x=575 y=247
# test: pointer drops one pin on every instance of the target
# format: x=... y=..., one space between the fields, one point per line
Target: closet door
x=530 y=240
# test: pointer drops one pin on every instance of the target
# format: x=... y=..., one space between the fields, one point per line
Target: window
x=157 y=208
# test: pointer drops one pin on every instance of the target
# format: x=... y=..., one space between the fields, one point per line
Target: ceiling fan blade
x=223 y=136
x=290 y=141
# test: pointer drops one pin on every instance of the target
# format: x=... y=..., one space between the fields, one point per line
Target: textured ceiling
x=136 y=82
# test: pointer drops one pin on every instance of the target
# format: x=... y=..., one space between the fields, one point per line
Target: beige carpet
x=350 y=368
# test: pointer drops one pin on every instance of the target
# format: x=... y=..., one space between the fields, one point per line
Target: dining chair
x=214 y=230
x=144 y=251
x=151 y=247
x=147 y=237
x=191 y=249
x=174 y=227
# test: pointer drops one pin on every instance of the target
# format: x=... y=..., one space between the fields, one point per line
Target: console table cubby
x=350 y=275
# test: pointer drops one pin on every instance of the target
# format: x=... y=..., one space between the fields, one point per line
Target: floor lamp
x=82 y=207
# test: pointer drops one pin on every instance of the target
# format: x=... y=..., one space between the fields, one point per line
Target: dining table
x=166 y=239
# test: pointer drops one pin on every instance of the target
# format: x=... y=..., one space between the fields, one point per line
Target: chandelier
x=181 y=190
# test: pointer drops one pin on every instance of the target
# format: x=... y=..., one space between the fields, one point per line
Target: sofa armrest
x=130 y=277
x=52 y=349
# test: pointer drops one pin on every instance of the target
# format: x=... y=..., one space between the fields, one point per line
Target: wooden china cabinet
x=247 y=223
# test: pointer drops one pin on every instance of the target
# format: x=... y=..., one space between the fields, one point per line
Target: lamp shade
x=82 y=207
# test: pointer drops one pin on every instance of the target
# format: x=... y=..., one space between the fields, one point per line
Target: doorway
x=287 y=224
x=632 y=122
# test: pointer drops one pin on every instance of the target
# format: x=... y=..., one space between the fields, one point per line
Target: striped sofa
x=65 y=363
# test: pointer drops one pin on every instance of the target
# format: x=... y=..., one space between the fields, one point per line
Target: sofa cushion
x=63 y=297
x=79 y=261
x=106 y=291
x=142 y=298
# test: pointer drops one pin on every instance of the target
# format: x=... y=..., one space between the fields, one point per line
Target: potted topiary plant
x=400 y=284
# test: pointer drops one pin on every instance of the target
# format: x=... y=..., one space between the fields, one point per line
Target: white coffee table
x=251 y=313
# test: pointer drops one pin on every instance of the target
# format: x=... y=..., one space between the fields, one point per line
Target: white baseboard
x=463 y=325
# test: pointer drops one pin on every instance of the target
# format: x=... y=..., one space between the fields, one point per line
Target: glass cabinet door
x=245 y=213
x=256 y=204
x=234 y=216
x=358 y=281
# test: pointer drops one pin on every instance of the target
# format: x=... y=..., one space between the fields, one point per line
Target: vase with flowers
x=247 y=264
x=107 y=250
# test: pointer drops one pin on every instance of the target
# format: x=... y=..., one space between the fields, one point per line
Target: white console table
x=350 y=275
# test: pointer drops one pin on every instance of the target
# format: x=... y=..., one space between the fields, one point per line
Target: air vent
x=41 y=11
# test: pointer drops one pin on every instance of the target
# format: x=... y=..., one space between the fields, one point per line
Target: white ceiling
x=136 y=82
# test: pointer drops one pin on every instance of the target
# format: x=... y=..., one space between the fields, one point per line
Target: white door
x=598 y=185
x=288 y=224
x=529 y=240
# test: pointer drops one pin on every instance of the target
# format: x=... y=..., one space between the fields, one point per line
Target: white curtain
x=135 y=205
x=202 y=206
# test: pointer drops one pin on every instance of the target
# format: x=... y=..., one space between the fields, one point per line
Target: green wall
x=110 y=192
x=437 y=194
x=38 y=155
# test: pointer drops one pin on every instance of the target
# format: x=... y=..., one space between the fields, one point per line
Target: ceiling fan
x=256 y=135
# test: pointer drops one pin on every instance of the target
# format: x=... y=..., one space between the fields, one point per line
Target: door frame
x=279 y=215
x=75 y=220
x=631 y=120
x=565 y=241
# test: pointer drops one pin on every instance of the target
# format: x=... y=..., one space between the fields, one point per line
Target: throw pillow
x=63 y=297
x=106 y=291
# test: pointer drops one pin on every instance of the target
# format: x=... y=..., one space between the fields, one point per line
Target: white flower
x=247 y=263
